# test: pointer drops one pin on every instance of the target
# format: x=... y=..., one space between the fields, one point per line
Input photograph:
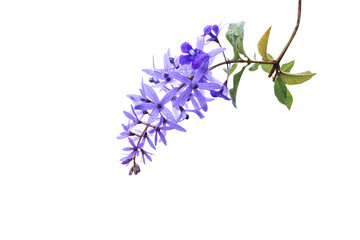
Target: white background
x=256 y=172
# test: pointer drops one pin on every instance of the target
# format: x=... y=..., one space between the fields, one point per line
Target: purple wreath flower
x=134 y=150
x=185 y=116
x=126 y=133
x=147 y=138
x=163 y=74
x=161 y=131
x=157 y=106
x=194 y=86
x=135 y=121
x=213 y=32
x=220 y=93
x=145 y=154
x=137 y=99
x=196 y=57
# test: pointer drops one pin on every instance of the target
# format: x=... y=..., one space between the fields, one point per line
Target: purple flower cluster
x=182 y=87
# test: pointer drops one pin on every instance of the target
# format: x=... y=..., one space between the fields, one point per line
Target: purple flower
x=146 y=154
x=134 y=150
x=170 y=62
x=157 y=106
x=163 y=74
x=194 y=86
x=220 y=93
x=126 y=133
x=132 y=117
x=161 y=131
x=184 y=114
x=196 y=57
x=147 y=138
x=172 y=125
x=213 y=32
x=139 y=99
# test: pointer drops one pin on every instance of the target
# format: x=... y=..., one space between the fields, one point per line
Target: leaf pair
x=285 y=77
x=235 y=35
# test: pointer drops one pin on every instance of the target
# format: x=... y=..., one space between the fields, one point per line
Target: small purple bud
x=126 y=161
x=136 y=169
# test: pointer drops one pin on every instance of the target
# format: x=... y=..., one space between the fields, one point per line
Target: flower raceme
x=181 y=88
x=185 y=85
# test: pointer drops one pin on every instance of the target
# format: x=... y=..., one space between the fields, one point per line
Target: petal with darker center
x=199 y=59
x=186 y=47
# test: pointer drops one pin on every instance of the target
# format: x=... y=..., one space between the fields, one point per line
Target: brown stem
x=227 y=65
x=141 y=136
x=276 y=66
x=242 y=61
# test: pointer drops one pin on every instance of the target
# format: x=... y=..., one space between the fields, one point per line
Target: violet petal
x=201 y=100
x=162 y=137
x=216 y=51
x=168 y=114
x=180 y=77
x=199 y=59
x=154 y=115
x=185 y=59
x=209 y=86
x=151 y=93
x=181 y=100
x=186 y=47
x=145 y=106
x=168 y=96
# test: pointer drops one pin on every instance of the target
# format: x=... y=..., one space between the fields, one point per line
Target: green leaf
x=262 y=45
x=287 y=66
x=267 y=67
x=282 y=93
x=234 y=90
x=232 y=68
x=235 y=35
x=254 y=67
x=239 y=45
x=295 y=78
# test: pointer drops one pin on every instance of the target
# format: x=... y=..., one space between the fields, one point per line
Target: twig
x=277 y=64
